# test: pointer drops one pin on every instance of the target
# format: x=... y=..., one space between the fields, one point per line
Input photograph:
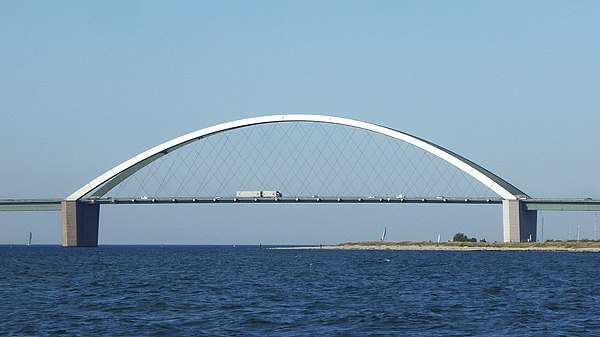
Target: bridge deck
x=587 y=204
x=30 y=204
x=311 y=199
x=533 y=204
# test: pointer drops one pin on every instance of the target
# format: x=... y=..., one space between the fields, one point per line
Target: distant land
x=551 y=246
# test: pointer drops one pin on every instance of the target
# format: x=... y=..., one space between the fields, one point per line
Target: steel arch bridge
x=81 y=208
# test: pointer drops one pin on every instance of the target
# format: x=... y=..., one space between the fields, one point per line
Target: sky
x=512 y=85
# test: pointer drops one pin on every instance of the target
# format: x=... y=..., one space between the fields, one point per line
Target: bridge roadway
x=532 y=204
x=548 y=204
x=30 y=204
x=309 y=199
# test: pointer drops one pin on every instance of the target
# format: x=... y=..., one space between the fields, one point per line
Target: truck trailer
x=257 y=194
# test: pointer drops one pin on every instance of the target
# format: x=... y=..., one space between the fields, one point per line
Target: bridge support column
x=520 y=225
x=80 y=224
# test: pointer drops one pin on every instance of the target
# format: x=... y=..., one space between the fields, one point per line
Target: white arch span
x=116 y=175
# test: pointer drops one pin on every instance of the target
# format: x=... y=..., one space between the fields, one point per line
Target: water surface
x=218 y=290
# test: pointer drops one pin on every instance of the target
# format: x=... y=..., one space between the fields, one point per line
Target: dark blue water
x=206 y=290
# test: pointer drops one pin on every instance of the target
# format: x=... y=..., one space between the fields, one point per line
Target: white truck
x=257 y=194
x=271 y=194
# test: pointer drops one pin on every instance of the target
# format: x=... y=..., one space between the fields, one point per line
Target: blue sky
x=512 y=85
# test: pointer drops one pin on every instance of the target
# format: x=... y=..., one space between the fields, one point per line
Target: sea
x=255 y=291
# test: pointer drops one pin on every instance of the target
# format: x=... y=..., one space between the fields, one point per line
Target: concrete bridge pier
x=80 y=224
x=520 y=225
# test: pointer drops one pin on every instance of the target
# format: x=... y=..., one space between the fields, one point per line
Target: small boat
x=383 y=235
x=29 y=243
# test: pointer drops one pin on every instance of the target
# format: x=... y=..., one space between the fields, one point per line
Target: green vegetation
x=461 y=237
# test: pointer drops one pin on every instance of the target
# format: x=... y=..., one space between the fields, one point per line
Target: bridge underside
x=80 y=219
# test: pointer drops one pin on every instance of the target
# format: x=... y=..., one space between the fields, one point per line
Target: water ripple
x=225 y=291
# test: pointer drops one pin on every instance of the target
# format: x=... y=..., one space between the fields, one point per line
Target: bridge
x=298 y=159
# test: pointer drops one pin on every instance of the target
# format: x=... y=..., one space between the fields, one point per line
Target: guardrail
x=311 y=199
x=532 y=204
x=585 y=204
x=30 y=204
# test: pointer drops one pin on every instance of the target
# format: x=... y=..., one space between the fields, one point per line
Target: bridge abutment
x=80 y=224
x=520 y=225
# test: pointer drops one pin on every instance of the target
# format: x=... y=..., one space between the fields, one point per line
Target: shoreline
x=446 y=247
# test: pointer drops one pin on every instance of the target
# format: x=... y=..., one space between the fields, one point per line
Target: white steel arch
x=116 y=175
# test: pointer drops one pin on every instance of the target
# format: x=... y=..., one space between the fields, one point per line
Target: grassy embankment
x=517 y=245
